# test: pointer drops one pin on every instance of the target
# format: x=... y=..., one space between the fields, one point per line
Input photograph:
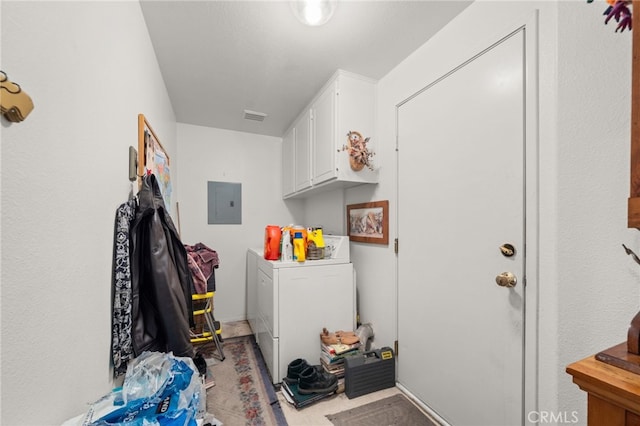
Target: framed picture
x=369 y=222
x=153 y=158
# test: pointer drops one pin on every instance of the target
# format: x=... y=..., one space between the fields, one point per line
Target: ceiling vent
x=253 y=115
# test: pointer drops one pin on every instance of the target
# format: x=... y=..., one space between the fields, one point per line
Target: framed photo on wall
x=369 y=222
x=153 y=159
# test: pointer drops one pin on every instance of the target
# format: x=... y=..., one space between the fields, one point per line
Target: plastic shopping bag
x=158 y=389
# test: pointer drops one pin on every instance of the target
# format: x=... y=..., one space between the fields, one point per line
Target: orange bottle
x=272 y=236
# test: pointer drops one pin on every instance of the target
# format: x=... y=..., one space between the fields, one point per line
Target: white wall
x=327 y=210
x=255 y=161
x=90 y=69
x=587 y=287
x=597 y=283
x=478 y=26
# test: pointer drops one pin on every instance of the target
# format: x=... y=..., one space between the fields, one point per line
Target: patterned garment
x=121 y=345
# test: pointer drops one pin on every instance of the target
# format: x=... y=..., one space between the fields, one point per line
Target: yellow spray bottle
x=315 y=249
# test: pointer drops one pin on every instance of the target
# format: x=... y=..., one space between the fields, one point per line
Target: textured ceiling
x=219 y=58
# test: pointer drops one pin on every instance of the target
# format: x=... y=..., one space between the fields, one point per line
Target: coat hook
x=133 y=164
x=15 y=104
x=632 y=254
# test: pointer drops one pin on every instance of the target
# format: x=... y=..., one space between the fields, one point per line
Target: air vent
x=253 y=115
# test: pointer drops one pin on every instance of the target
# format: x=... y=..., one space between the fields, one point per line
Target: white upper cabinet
x=338 y=149
x=324 y=134
x=302 y=152
x=288 y=162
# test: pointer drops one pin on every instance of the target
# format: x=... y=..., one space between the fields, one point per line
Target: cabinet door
x=324 y=135
x=302 y=152
x=288 y=162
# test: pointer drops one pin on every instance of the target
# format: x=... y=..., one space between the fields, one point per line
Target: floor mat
x=395 y=410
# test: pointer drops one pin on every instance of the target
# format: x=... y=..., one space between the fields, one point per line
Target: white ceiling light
x=313 y=12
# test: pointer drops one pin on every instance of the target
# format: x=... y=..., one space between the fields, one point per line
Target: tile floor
x=313 y=414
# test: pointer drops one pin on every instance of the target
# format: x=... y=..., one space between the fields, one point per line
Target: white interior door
x=461 y=195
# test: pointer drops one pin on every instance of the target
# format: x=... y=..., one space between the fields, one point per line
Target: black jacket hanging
x=161 y=283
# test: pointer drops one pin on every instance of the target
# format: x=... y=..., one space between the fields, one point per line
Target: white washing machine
x=289 y=303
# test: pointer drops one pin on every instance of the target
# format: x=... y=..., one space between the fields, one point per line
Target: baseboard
x=422 y=405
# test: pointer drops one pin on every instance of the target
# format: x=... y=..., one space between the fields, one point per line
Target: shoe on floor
x=313 y=381
x=296 y=367
x=200 y=363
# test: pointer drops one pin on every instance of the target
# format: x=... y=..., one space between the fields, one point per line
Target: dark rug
x=395 y=410
x=243 y=394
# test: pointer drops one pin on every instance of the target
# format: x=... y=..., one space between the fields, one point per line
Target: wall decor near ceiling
x=359 y=155
x=369 y=222
x=153 y=159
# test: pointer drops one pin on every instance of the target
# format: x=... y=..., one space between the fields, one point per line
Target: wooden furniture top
x=608 y=382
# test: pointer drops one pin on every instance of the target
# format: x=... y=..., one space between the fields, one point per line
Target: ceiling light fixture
x=313 y=12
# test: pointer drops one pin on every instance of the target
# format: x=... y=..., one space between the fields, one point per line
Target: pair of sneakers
x=310 y=378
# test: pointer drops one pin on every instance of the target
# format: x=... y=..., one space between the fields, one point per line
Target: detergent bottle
x=272 y=242
x=299 y=253
x=302 y=230
x=286 y=254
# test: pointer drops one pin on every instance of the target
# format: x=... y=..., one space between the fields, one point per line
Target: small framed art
x=369 y=222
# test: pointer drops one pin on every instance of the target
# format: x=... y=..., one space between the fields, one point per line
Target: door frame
x=531 y=177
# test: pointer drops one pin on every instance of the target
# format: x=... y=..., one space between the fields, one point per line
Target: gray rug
x=395 y=410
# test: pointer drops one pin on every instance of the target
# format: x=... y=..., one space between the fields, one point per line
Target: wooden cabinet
x=345 y=104
x=613 y=393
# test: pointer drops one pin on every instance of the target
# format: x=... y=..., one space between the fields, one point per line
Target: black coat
x=161 y=283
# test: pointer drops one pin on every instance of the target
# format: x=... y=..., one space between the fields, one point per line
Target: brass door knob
x=506 y=279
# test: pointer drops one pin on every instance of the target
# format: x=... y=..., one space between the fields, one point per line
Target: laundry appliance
x=289 y=303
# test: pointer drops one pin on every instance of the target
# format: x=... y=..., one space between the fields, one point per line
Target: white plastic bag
x=158 y=389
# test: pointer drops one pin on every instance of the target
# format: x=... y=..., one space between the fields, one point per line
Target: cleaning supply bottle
x=287 y=248
x=272 y=242
x=299 y=254
x=315 y=243
x=302 y=230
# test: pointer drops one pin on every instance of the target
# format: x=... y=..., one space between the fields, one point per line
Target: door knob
x=506 y=279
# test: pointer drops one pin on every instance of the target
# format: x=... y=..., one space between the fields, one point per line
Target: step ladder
x=211 y=330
